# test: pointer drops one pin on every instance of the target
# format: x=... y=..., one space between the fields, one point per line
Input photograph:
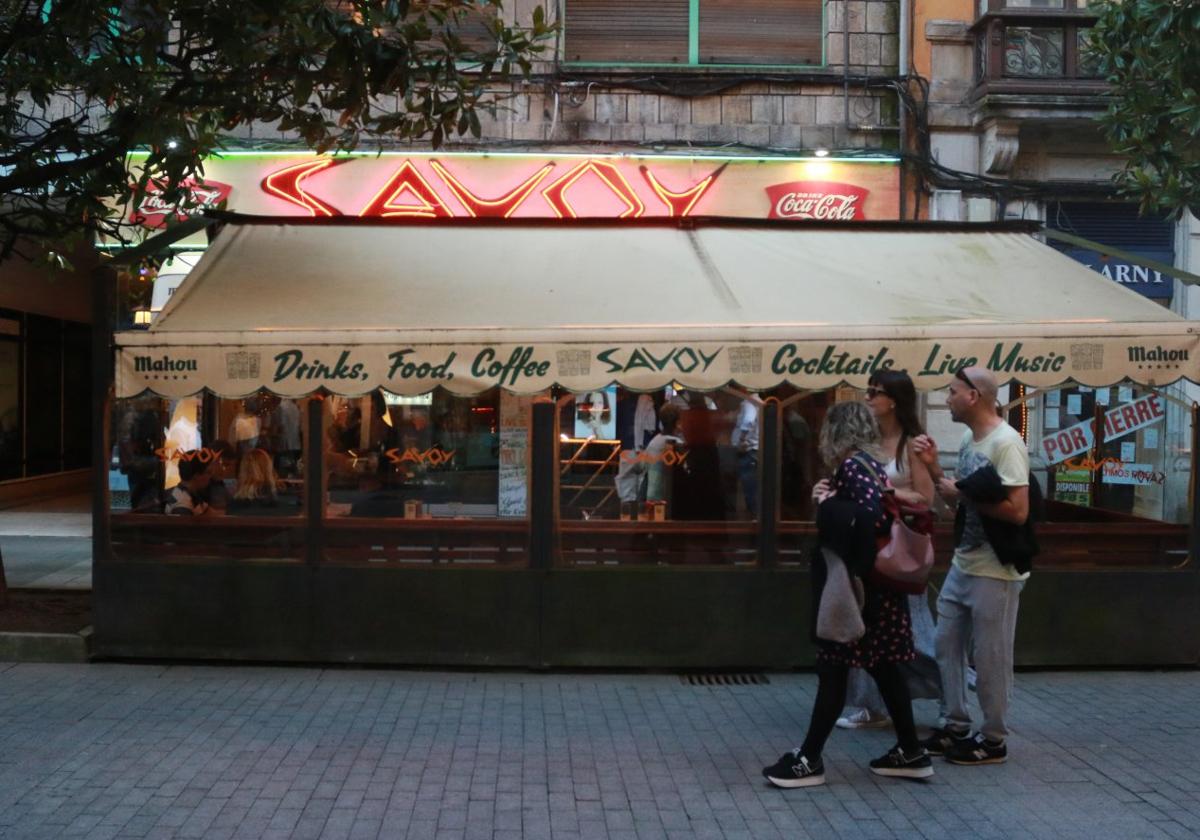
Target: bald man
x=978 y=602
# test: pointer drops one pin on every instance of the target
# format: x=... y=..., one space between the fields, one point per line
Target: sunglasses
x=964 y=378
x=873 y=392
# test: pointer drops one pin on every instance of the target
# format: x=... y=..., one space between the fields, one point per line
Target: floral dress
x=889 y=636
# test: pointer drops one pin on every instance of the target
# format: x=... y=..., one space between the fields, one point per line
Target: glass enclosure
x=669 y=477
x=664 y=477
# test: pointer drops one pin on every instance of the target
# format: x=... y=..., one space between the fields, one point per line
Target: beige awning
x=353 y=305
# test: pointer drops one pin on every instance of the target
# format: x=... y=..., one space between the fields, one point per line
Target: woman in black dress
x=856 y=496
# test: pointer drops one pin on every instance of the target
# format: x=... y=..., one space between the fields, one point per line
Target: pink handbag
x=904 y=562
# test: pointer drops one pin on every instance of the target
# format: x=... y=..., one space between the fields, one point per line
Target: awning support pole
x=1194 y=493
x=104 y=289
x=543 y=467
x=769 y=482
x=314 y=481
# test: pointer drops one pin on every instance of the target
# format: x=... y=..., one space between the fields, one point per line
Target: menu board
x=515 y=413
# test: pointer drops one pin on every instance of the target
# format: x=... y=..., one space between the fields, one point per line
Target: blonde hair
x=256 y=476
x=848 y=426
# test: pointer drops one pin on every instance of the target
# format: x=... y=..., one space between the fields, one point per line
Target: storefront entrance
x=405 y=460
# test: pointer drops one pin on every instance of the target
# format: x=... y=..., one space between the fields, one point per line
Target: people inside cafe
x=187 y=498
x=257 y=490
x=223 y=470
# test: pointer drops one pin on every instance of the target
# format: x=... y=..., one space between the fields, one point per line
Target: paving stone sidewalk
x=132 y=751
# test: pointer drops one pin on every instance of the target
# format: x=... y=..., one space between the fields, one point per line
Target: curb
x=46 y=647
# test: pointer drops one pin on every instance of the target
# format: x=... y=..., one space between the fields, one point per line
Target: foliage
x=84 y=82
x=1150 y=53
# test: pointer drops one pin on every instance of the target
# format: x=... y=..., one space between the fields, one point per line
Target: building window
x=1034 y=4
x=1087 y=62
x=1033 y=51
x=694 y=32
x=45 y=377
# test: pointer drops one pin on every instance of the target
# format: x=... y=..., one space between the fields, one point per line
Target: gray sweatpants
x=979 y=613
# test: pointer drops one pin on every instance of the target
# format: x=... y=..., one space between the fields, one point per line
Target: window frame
x=991 y=38
x=693 y=63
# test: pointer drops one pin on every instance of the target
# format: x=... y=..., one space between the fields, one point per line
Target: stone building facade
x=615 y=106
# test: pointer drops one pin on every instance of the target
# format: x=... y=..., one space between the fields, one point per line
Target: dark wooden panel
x=427 y=541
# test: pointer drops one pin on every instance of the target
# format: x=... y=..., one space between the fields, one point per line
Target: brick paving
x=154 y=751
x=47 y=544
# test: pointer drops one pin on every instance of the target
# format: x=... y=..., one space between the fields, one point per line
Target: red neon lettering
x=406 y=180
x=502 y=207
x=680 y=203
x=285 y=184
x=556 y=193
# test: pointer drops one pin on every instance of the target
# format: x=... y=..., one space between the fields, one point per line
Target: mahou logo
x=153 y=211
x=821 y=201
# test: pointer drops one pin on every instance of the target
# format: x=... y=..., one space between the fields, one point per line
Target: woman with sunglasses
x=892 y=399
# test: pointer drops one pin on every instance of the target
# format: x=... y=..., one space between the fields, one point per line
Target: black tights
x=831 y=698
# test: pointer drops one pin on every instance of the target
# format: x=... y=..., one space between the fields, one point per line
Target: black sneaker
x=896 y=763
x=941 y=739
x=977 y=750
x=793 y=770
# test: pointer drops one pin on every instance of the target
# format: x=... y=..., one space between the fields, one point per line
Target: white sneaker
x=863 y=719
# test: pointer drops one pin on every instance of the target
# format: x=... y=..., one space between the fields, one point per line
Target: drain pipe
x=846 y=63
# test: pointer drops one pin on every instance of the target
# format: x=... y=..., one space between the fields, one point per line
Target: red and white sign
x=153 y=211
x=820 y=201
x=1122 y=420
x=533 y=185
x=1138 y=475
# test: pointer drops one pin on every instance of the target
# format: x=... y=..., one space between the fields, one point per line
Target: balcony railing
x=1035 y=47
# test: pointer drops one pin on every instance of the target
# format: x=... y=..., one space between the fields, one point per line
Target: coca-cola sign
x=153 y=210
x=820 y=201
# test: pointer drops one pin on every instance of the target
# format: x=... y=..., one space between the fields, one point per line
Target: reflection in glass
x=1088 y=62
x=677 y=483
x=1033 y=51
x=695 y=454
x=1142 y=469
x=204 y=455
x=436 y=455
x=10 y=409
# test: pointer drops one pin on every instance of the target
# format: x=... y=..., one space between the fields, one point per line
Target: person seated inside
x=187 y=498
x=257 y=490
x=223 y=474
x=377 y=500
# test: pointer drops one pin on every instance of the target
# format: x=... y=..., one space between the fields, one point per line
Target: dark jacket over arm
x=1015 y=545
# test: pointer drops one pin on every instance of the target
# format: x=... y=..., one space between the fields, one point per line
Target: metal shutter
x=627 y=31
x=760 y=31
